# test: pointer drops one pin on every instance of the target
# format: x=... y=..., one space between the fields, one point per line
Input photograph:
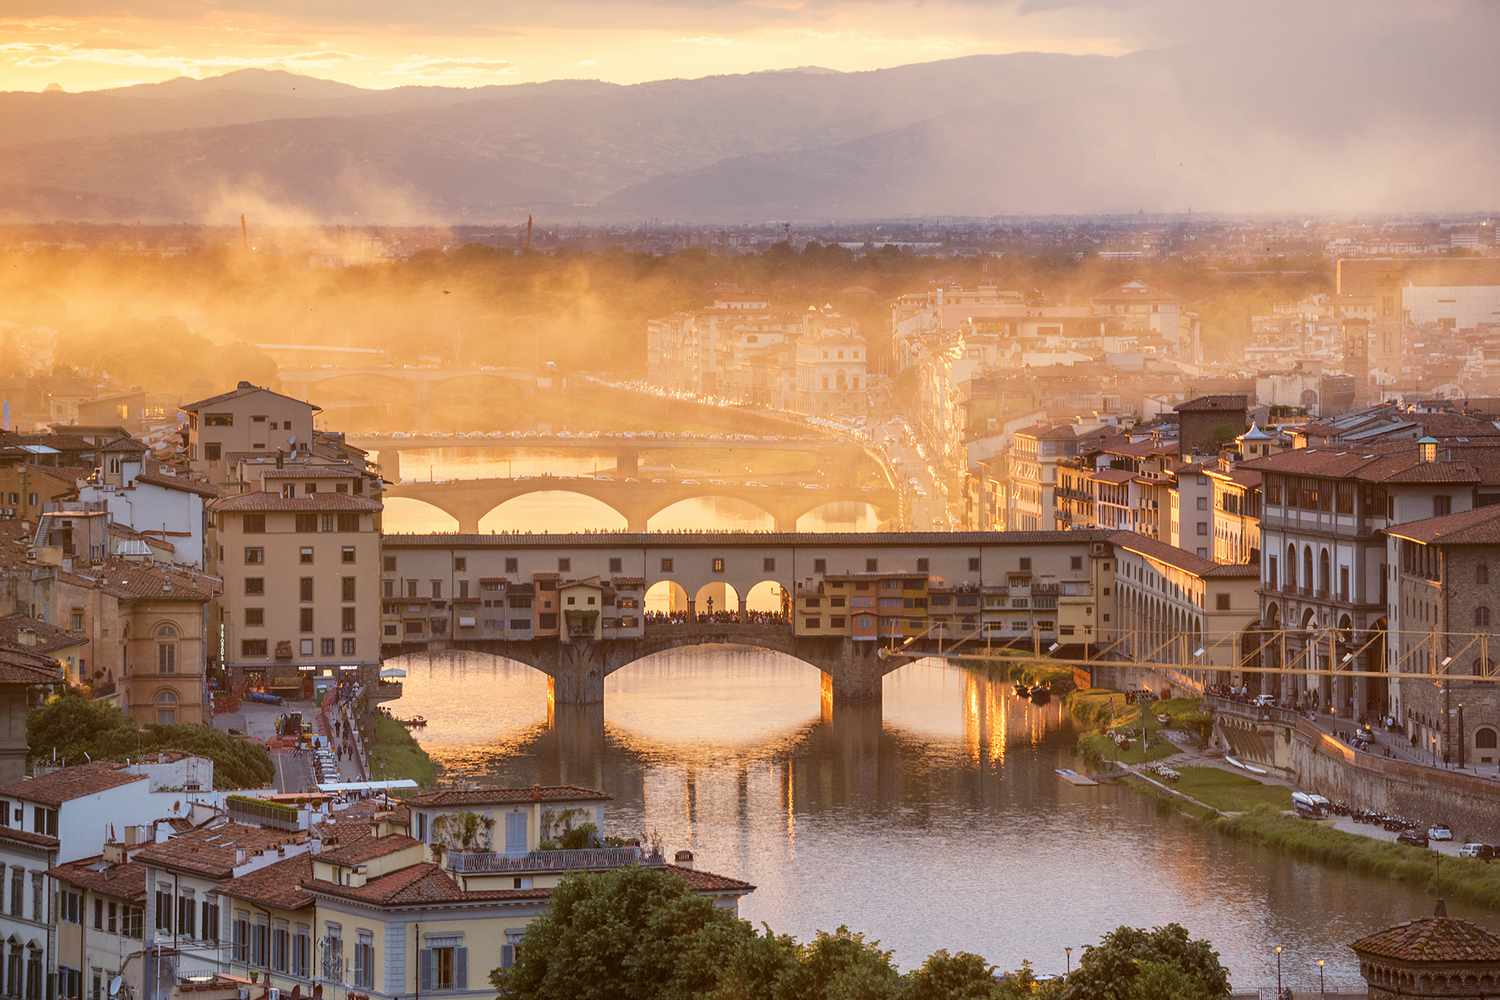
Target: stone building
x=1209 y=422
x=1433 y=958
x=1444 y=610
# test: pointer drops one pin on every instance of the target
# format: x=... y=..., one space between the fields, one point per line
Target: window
x=364 y=961
x=1482 y=573
x=187 y=910
x=666 y=565
x=348 y=619
x=326 y=645
x=307 y=524
x=305 y=588
x=444 y=966
x=564 y=565
x=333 y=953
x=254 y=555
x=1202 y=503
x=1482 y=617
x=166 y=707
x=305 y=619
x=814 y=623
x=348 y=588
x=460 y=564
x=411 y=588
x=348 y=647
x=37 y=912
x=1025 y=564
x=1075 y=562
x=255 y=617
x=252 y=648
x=280 y=938
x=616 y=564
x=768 y=565
x=305 y=555
x=923 y=564
x=164 y=908
x=389 y=562
x=512 y=946
x=255 y=585
x=210 y=919
x=872 y=565
x=218 y=420
x=1202 y=528
x=437 y=589
x=973 y=564
x=820 y=565
x=260 y=942
x=1221 y=602
x=166 y=648
x=72 y=906
x=301 y=950
x=512 y=564
x=212 y=451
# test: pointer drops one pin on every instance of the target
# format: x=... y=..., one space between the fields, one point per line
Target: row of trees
x=642 y=934
x=72 y=729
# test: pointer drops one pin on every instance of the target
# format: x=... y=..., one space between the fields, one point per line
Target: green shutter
x=426 y=969
x=461 y=968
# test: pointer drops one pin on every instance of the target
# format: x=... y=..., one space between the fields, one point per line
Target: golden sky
x=90 y=44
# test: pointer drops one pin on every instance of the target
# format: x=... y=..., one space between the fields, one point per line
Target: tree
x=630 y=934
x=964 y=976
x=1166 y=956
x=841 y=966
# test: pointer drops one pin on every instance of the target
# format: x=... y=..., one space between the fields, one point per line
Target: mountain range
x=1309 y=130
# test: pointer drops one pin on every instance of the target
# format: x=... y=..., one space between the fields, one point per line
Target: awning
x=392 y=672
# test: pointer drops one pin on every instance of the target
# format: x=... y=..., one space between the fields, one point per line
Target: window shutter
x=426 y=967
x=461 y=968
x=507 y=956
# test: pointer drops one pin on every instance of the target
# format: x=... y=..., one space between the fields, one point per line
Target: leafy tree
x=630 y=934
x=964 y=976
x=1167 y=955
x=754 y=967
x=841 y=966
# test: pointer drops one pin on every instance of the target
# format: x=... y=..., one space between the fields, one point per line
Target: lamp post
x=1277 y=949
x=1321 y=990
x=1068 y=950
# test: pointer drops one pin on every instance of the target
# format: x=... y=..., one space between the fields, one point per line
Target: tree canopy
x=639 y=933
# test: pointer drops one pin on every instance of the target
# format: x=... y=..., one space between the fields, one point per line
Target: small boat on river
x=1072 y=777
x=1236 y=762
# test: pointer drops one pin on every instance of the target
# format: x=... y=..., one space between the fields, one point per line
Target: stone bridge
x=578 y=667
x=469 y=500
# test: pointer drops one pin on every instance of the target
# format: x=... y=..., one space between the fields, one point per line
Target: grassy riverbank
x=1109 y=713
x=395 y=753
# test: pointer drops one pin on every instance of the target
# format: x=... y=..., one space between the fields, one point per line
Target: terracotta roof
x=243 y=389
x=26 y=837
x=1382 y=464
x=1431 y=939
x=19 y=665
x=135 y=581
x=317 y=502
x=1181 y=558
x=124 y=881
x=276 y=886
x=48 y=637
x=1113 y=475
x=181 y=483
x=368 y=849
x=1226 y=402
x=213 y=851
x=504 y=796
x=311 y=472
x=1480 y=526
x=125 y=445
x=67 y=783
x=703 y=881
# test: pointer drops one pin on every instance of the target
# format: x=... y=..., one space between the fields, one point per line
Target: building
x=248 y=418
x=1207 y=423
x=24 y=674
x=1432 y=958
x=301 y=584
x=1444 y=615
x=69 y=650
x=1236 y=514
x=159 y=504
x=100 y=922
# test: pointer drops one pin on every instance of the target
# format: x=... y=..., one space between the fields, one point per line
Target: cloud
x=450 y=68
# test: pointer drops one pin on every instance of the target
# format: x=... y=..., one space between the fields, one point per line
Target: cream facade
x=248 y=418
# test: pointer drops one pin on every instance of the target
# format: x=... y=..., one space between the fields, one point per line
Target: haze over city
x=749 y=500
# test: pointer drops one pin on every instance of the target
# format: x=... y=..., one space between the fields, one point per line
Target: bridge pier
x=627 y=462
x=390 y=464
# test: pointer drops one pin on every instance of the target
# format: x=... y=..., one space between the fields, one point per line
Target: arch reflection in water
x=940 y=825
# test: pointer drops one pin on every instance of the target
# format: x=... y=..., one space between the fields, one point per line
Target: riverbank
x=395 y=753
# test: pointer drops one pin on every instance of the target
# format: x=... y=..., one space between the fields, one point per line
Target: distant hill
x=1022 y=133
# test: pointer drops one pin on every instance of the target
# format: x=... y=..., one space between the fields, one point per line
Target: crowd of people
x=745 y=617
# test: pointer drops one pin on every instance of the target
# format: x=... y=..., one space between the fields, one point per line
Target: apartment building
x=1236 y=514
x=1443 y=615
x=301 y=583
x=247 y=419
x=100 y=925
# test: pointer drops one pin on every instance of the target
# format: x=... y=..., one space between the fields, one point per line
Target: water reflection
x=938 y=823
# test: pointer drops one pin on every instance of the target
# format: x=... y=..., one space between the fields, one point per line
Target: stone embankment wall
x=1298 y=750
x=1180 y=685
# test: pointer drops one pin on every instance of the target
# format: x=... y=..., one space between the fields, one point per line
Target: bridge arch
x=665 y=596
x=597 y=514
x=862 y=515
x=407 y=515
x=655 y=510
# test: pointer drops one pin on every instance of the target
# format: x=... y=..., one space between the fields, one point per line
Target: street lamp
x=1277 y=949
x=1068 y=950
x=1321 y=990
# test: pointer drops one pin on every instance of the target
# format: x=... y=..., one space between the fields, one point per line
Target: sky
x=93 y=44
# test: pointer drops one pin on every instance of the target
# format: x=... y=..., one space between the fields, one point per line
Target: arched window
x=1482 y=572
x=166 y=707
x=1291 y=567
x=166 y=648
x=1307 y=570
x=1482 y=616
x=1485 y=738
x=1323 y=572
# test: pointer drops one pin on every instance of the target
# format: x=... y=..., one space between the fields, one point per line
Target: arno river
x=935 y=823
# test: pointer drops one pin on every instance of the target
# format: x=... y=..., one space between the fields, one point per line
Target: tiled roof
x=213 y=851
x=702 y=881
x=125 y=445
x=1376 y=463
x=67 y=783
x=1116 y=476
x=504 y=796
x=368 y=849
x=1223 y=403
x=736 y=539
x=124 y=881
x=49 y=638
x=1431 y=939
x=1181 y=558
x=317 y=502
x=311 y=472
x=181 y=483
x=1480 y=526
x=133 y=581
x=243 y=389
x=19 y=665
x=276 y=886
x=29 y=839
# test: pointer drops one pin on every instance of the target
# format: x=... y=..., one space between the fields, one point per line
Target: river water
x=935 y=822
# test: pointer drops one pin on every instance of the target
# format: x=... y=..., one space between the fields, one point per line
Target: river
x=937 y=822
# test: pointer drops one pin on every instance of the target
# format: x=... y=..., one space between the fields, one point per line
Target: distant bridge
x=469 y=500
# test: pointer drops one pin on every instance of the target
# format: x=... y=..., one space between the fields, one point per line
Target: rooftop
x=368 y=849
x=276 y=886
x=1431 y=939
x=740 y=539
x=243 y=389
x=214 y=851
x=1480 y=526
x=1181 y=558
x=68 y=783
x=505 y=796
x=19 y=665
x=46 y=637
x=275 y=502
x=132 y=580
x=1223 y=403
x=125 y=881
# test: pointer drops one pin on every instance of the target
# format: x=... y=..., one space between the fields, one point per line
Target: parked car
x=1484 y=852
x=1412 y=838
x=1439 y=831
